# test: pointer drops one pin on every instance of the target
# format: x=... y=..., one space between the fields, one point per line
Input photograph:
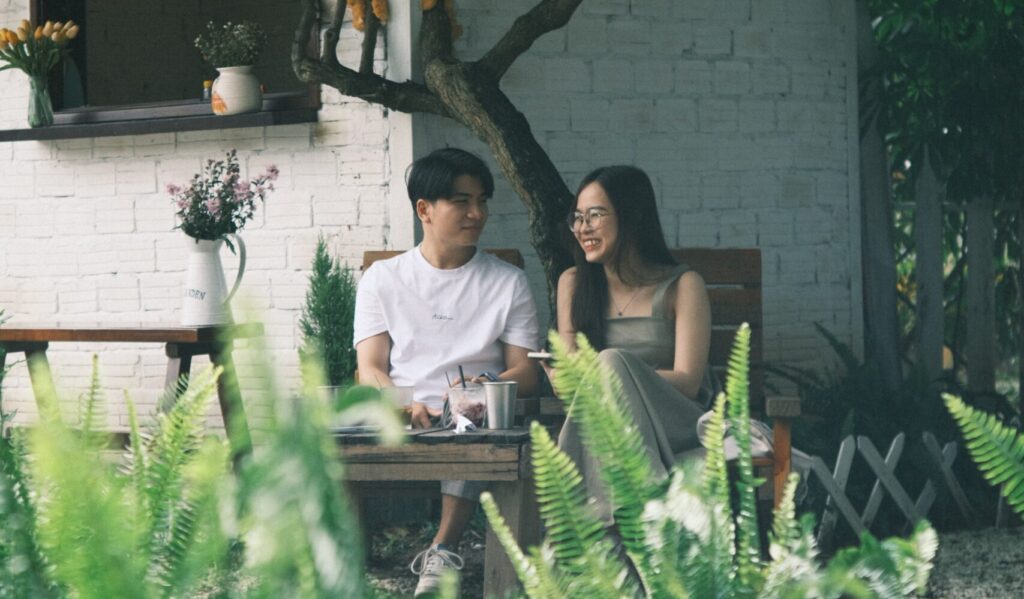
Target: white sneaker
x=430 y=565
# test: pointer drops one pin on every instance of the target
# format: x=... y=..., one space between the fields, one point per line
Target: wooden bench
x=733 y=278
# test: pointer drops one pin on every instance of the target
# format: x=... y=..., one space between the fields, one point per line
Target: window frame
x=300 y=106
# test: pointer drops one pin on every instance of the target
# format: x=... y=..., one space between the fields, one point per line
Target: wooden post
x=981 y=370
x=517 y=503
x=928 y=330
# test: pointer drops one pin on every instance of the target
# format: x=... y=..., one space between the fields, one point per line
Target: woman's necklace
x=619 y=310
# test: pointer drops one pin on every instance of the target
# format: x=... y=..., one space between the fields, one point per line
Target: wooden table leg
x=42 y=379
x=235 y=423
x=518 y=505
x=179 y=365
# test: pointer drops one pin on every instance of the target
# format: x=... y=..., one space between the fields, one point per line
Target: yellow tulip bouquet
x=36 y=50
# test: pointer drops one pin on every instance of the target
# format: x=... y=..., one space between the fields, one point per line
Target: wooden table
x=181 y=344
x=499 y=456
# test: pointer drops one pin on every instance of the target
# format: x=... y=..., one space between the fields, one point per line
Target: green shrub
x=328 y=316
x=682 y=537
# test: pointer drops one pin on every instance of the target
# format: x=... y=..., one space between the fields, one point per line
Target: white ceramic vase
x=206 y=296
x=236 y=91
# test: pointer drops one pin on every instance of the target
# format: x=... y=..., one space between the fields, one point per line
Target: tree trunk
x=880 y=322
x=981 y=375
x=477 y=103
x=928 y=334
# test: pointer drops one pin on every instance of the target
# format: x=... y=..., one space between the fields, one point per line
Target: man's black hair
x=433 y=176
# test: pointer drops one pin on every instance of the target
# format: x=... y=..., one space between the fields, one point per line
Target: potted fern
x=327 y=318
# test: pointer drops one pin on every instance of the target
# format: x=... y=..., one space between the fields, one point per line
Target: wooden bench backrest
x=510 y=255
x=733 y=277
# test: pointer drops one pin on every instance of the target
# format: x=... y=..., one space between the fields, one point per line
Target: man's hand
x=420 y=417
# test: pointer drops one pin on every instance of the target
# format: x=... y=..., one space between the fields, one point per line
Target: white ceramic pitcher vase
x=206 y=296
x=236 y=91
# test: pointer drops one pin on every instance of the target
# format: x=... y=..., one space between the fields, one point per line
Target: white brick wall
x=740 y=110
x=86 y=233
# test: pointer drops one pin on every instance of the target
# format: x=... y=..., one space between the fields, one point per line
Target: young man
x=441 y=305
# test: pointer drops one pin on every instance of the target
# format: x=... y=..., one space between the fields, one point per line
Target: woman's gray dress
x=635 y=348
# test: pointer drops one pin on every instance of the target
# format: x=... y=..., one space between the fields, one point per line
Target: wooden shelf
x=166 y=117
x=163 y=125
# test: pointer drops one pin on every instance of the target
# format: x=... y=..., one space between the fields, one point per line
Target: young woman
x=648 y=315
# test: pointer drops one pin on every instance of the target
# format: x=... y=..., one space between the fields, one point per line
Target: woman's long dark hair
x=632 y=196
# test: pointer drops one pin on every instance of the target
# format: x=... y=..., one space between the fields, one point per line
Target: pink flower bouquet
x=217 y=201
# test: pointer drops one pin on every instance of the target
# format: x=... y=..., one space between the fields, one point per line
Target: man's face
x=459 y=220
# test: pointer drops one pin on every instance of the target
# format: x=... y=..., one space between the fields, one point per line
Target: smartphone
x=540 y=355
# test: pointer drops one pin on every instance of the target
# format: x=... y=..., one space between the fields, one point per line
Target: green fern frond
x=176 y=437
x=570 y=525
x=997 y=449
x=525 y=571
x=716 y=472
x=611 y=436
x=785 y=530
x=138 y=461
x=92 y=414
x=194 y=541
x=737 y=391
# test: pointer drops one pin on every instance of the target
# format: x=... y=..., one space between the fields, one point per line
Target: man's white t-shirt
x=439 y=319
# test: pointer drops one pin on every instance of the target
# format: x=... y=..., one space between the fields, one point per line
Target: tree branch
x=329 y=53
x=403 y=97
x=435 y=35
x=547 y=16
x=301 y=41
x=369 y=42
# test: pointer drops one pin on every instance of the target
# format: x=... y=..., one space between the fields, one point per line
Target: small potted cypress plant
x=233 y=49
x=327 y=318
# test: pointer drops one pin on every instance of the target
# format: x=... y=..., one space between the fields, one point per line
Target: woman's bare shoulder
x=568 y=276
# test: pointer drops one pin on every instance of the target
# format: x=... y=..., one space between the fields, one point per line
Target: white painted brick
x=613 y=76
x=566 y=75
x=693 y=77
x=713 y=40
x=797 y=192
x=587 y=34
x=632 y=116
x=770 y=79
x=809 y=80
x=676 y=114
x=630 y=36
x=671 y=38
x=717 y=115
x=756 y=116
x=94 y=179
x=74 y=149
x=119 y=146
x=606 y=7
x=116 y=215
x=752 y=41
x=732 y=78
x=136 y=176
x=590 y=114
x=653 y=77
x=54 y=179
x=719 y=191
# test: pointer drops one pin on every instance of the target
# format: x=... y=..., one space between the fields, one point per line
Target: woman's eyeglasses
x=592 y=218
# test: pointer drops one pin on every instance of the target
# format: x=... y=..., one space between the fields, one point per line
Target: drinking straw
x=448 y=378
x=462 y=375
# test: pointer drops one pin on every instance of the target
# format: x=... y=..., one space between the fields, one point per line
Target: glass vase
x=40 y=109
